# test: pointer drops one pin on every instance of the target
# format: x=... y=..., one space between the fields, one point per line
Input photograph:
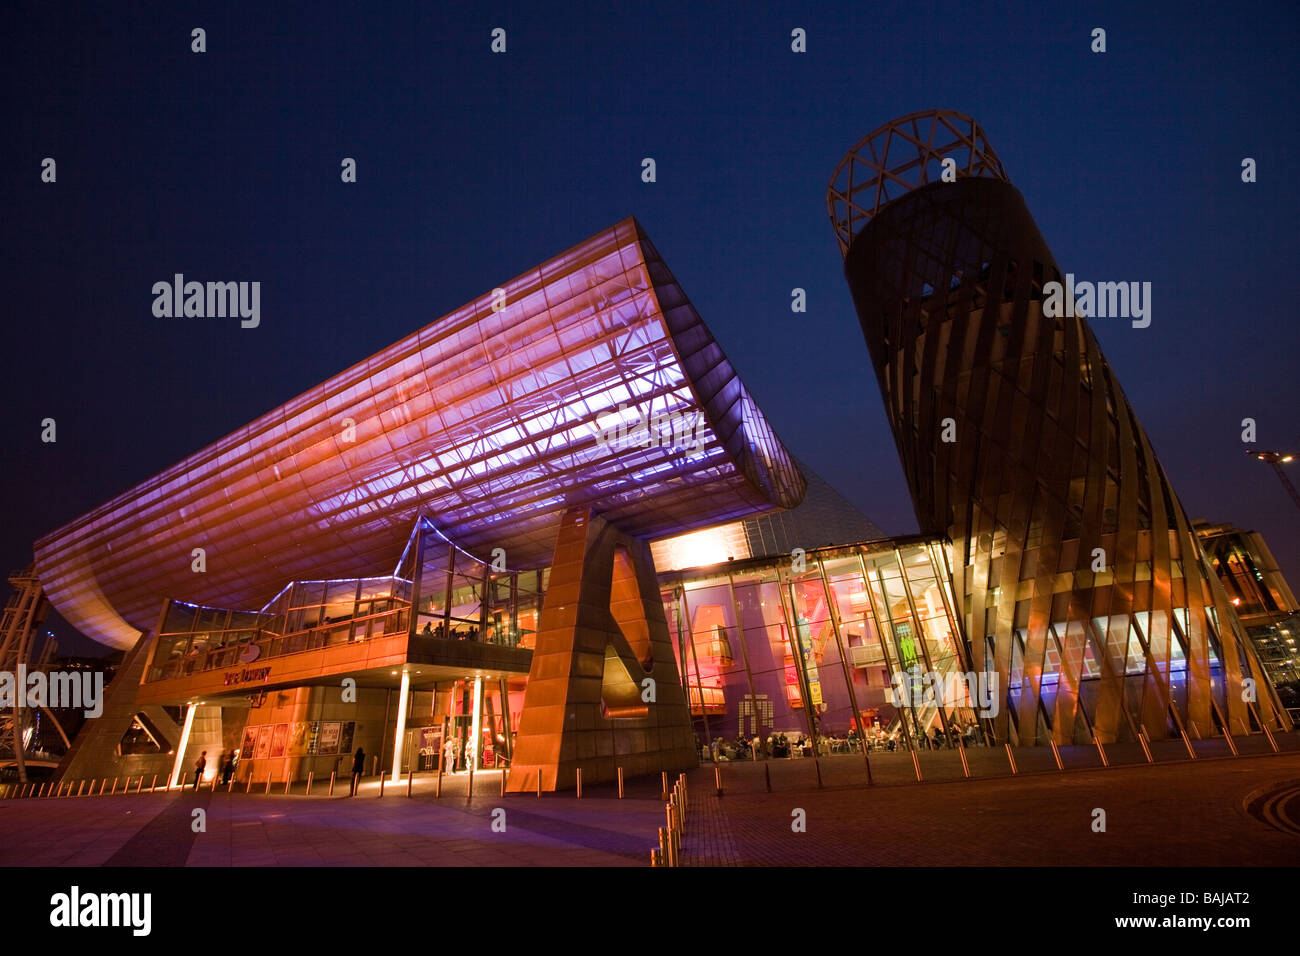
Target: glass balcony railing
x=243 y=648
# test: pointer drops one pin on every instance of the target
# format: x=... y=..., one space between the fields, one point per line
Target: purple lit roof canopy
x=492 y=420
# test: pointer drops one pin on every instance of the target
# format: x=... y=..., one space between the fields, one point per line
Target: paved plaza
x=1214 y=811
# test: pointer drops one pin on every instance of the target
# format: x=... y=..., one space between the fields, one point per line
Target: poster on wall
x=250 y=741
x=299 y=737
x=329 y=737
x=278 y=739
x=345 y=738
x=263 y=748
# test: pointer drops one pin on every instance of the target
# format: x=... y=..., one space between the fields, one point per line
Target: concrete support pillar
x=603 y=690
x=178 y=768
x=476 y=727
x=399 y=733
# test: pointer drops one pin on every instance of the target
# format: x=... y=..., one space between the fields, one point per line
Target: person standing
x=358 y=768
x=199 y=766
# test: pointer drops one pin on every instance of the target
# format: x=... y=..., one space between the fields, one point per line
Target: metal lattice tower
x=22 y=618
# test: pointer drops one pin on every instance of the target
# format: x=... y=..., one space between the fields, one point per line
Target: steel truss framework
x=1049 y=470
x=488 y=419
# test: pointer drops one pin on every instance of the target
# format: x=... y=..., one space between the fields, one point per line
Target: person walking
x=228 y=769
x=358 y=768
x=199 y=766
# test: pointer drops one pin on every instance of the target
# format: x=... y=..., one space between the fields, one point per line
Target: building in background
x=1262 y=599
x=1078 y=577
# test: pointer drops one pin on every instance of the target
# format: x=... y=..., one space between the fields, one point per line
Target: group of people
x=877 y=739
x=760 y=748
x=968 y=735
x=230 y=758
x=227 y=766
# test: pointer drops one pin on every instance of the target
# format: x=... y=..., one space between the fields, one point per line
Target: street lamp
x=1277 y=459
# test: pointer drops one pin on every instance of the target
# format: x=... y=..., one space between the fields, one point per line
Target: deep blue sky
x=473 y=167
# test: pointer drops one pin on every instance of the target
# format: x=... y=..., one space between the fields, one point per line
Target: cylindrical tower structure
x=1079 y=579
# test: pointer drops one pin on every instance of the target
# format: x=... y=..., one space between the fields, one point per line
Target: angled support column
x=602 y=634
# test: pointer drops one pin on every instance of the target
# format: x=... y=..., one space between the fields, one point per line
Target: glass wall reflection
x=801 y=656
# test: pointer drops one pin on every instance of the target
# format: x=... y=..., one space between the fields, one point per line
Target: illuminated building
x=433 y=524
x=1078 y=577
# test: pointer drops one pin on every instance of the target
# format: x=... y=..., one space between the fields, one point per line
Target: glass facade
x=811 y=648
x=305 y=616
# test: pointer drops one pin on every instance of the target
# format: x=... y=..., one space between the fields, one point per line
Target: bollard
x=437 y=790
x=41 y=793
x=114 y=790
x=1232 y=744
x=767 y=777
x=504 y=771
x=153 y=786
x=333 y=774
x=1100 y=749
x=579 y=773
x=248 y=787
x=664 y=855
x=81 y=788
x=539 y=785
x=230 y=784
x=965 y=766
x=1187 y=743
x=1011 y=759
x=1056 y=753
x=717 y=778
x=213 y=788
x=287 y=780
x=1142 y=739
x=410 y=780
x=469 y=787
x=381 y=783
x=654 y=857
x=916 y=765
x=1268 y=731
x=268 y=782
x=663 y=788
x=620 y=783
x=103 y=783
x=311 y=775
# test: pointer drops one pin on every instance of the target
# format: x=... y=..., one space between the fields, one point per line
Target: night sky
x=473 y=167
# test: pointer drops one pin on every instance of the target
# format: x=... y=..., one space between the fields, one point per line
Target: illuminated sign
x=234 y=678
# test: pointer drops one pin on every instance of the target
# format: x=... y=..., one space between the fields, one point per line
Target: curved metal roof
x=489 y=420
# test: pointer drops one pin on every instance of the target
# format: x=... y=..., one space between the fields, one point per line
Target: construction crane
x=1277 y=459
